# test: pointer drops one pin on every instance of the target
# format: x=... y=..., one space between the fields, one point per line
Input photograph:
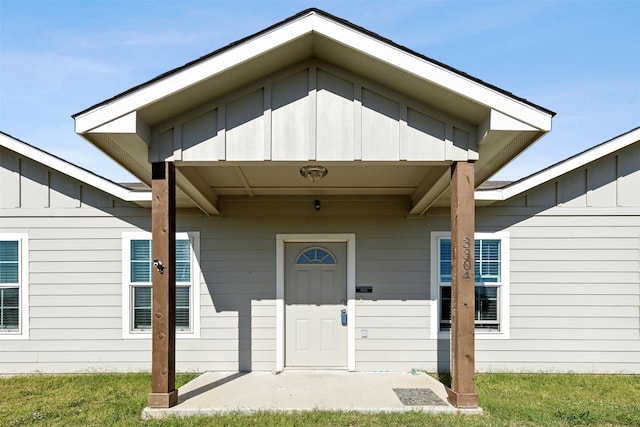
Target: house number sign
x=466 y=257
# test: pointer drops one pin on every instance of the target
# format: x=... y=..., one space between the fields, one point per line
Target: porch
x=313 y=108
x=308 y=390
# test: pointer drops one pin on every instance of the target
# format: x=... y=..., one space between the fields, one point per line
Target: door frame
x=350 y=240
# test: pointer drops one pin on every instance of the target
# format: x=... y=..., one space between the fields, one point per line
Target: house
x=313 y=195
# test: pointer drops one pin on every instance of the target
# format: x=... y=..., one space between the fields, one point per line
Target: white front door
x=315 y=296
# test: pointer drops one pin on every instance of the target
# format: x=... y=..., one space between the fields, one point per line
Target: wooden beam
x=190 y=182
x=430 y=190
x=163 y=227
x=463 y=391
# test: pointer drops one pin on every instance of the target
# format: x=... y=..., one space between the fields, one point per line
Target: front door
x=315 y=295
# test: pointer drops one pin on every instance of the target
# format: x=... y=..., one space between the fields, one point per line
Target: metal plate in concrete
x=418 y=397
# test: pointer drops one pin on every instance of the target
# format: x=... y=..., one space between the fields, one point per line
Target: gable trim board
x=83 y=175
x=552 y=172
x=304 y=23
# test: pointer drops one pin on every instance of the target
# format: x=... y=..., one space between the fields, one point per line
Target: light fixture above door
x=313 y=172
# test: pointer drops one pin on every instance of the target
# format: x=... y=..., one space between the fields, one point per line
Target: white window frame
x=127 y=286
x=503 y=291
x=23 y=287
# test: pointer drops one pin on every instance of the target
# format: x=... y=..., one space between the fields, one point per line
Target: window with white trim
x=14 y=298
x=491 y=273
x=137 y=290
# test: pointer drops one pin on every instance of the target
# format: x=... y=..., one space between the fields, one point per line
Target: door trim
x=350 y=240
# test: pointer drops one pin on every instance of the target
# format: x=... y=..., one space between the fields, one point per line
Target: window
x=491 y=284
x=138 y=293
x=316 y=256
x=14 y=313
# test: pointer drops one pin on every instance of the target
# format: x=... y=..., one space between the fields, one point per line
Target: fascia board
x=330 y=29
x=434 y=73
x=73 y=171
x=124 y=124
x=562 y=168
x=196 y=73
x=502 y=122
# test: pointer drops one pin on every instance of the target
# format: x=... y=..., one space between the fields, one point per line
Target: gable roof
x=312 y=33
x=126 y=127
x=64 y=167
x=293 y=18
x=554 y=171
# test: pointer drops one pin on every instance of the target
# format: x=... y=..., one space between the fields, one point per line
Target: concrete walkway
x=298 y=390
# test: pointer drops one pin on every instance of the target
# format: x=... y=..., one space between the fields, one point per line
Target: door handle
x=343 y=317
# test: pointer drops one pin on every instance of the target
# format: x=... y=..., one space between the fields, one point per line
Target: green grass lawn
x=507 y=399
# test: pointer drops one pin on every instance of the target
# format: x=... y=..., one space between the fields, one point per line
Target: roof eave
x=83 y=175
x=554 y=171
x=331 y=27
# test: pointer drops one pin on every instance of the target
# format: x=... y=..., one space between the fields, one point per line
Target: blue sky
x=580 y=59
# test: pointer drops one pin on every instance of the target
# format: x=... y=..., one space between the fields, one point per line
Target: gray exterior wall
x=575 y=275
x=575 y=271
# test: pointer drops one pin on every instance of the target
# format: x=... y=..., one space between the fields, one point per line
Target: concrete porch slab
x=303 y=390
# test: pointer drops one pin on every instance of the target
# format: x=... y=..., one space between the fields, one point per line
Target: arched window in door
x=316 y=255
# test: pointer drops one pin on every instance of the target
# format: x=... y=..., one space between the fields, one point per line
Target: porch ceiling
x=284 y=179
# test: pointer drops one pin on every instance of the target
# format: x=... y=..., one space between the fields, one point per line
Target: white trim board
x=196 y=285
x=23 y=286
x=505 y=287
x=350 y=240
x=69 y=169
x=568 y=165
x=312 y=21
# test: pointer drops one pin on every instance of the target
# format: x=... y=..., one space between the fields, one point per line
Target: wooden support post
x=163 y=226
x=463 y=391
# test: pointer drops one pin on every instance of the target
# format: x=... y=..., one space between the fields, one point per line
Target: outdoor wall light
x=314 y=172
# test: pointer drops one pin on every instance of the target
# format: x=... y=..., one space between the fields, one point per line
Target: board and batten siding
x=313 y=111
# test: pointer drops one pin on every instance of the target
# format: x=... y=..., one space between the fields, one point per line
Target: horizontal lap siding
x=237 y=296
x=238 y=266
x=76 y=291
x=574 y=306
x=575 y=292
x=75 y=286
x=76 y=302
x=575 y=272
x=75 y=280
x=393 y=258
